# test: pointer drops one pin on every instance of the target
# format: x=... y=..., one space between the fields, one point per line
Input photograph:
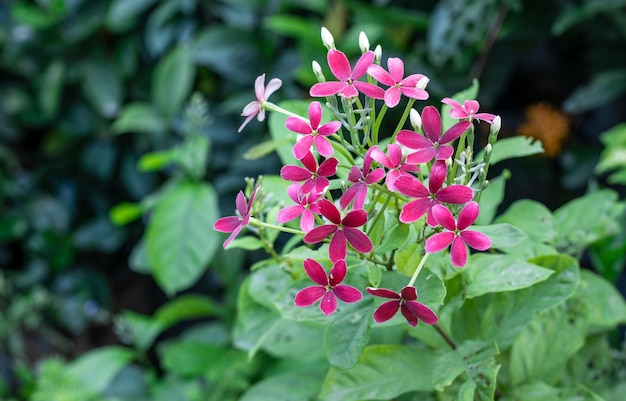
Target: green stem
x=419 y=268
x=405 y=115
x=259 y=223
x=459 y=149
x=377 y=122
x=273 y=107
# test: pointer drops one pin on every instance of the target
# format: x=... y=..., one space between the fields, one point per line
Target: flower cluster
x=423 y=176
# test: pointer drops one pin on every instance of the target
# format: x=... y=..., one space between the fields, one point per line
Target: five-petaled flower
x=411 y=86
x=306 y=208
x=313 y=132
x=425 y=198
x=329 y=288
x=456 y=233
x=314 y=176
x=255 y=107
x=234 y=224
x=406 y=301
x=396 y=163
x=342 y=230
x=361 y=178
x=348 y=84
x=433 y=144
x=467 y=111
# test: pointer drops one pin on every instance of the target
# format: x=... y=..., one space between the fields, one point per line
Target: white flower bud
x=378 y=54
x=495 y=125
x=364 y=43
x=488 y=149
x=421 y=84
x=416 y=120
x=317 y=70
x=327 y=39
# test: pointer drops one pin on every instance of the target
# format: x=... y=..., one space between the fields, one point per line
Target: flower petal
x=259 y=87
x=227 y=224
x=452 y=103
x=381 y=158
x=379 y=74
x=457 y=194
x=382 y=292
x=355 y=218
x=329 y=128
x=373 y=91
x=309 y=161
x=323 y=147
x=409 y=293
x=454 y=132
x=329 y=210
x=329 y=303
x=458 y=252
x=323 y=89
x=315 y=114
x=337 y=248
x=302 y=147
x=408 y=315
x=328 y=167
x=307 y=221
x=444 y=217
x=234 y=234
x=431 y=122
x=421 y=156
x=468 y=215
x=309 y=295
x=272 y=86
x=413 y=140
x=240 y=202
x=414 y=210
x=289 y=213
x=375 y=176
x=337 y=273
x=414 y=93
x=443 y=152
x=294 y=173
x=296 y=124
x=319 y=233
x=423 y=312
x=476 y=240
x=358 y=239
x=363 y=64
x=347 y=293
x=315 y=271
x=438 y=173
x=386 y=311
x=396 y=68
x=339 y=64
x=438 y=242
x=411 y=187
x=392 y=96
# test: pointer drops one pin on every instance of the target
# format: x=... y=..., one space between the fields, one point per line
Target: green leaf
x=155 y=161
x=382 y=373
x=286 y=386
x=498 y=273
x=491 y=198
x=140 y=329
x=614 y=154
x=539 y=391
x=138 y=118
x=190 y=359
x=606 y=306
x=125 y=213
x=468 y=357
x=544 y=346
x=248 y=243
x=532 y=218
x=185 y=307
x=103 y=87
x=172 y=80
x=348 y=333
x=122 y=13
x=603 y=89
x=51 y=88
x=407 y=258
x=394 y=238
x=467 y=390
x=510 y=148
x=179 y=238
x=501 y=235
x=97 y=368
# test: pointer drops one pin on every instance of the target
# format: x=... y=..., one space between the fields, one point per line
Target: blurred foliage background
x=102 y=104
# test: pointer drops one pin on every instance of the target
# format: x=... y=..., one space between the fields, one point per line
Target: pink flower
x=396 y=83
x=314 y=177
x=255 y=108
x=329 y=288
x=432 y=145
x=234 y=224
x=455 y=233
x=427 y=198
x=412 y=310
x=313 y=132
x=306 y=207
x=468 y=111
x=396 y=163
x=348 y=84
x=361 y=179
x=342 y=230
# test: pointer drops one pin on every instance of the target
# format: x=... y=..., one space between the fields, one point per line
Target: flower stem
x=418 y=269
x=273 y=107
x=405 y=115
x=259 y=223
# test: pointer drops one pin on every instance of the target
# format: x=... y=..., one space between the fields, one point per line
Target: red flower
x=314 y=177
x=361 y=179
x=348 y=84
x=427 y=198
x=412 y=310
x=329 y=288
x=432 y=145
x=342 y=230
x=313 y=133
x=398 y=85
x=468 y=111
x=234 y=224
x=456 y=233
x=306 y=207
x=395 y=162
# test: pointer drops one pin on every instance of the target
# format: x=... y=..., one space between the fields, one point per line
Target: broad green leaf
x=408 y=257
x=603 y=88
x=468 y=358
x=138 y=118
x=469 y=93
x=231 y=52
x=125 y=212
x=614 y=154
x=592 y=365
x=466 y=392
x=248 y=243
x=191 y=359
x=275 y=189
x=140 y=329
x=122 y=13
x=491 y=198
x=498 y=273
x=172 y=80
x=191 y=156
x=155 y=161
x=179 y=238
x=383 y=372
x=544 y=346
x=539 y=391
x=97 y=368
x=606 y=306
x=399 y=235
x=348 y=333
x=103 y=87
x=532 y=218
x=608 y=256
x=516 y=146
x=189 y=306
x=502 y=235
x=286 y=386
x=502 y=316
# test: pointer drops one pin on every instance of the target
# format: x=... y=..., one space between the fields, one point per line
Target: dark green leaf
x=501 y=235
x=122 y=13
x=606 y=306
x=468 y=357
x=106 y=361
x=138 y=118
x=348 y=333
x=603 y=88
x=510 y=148
x=532 y=218
x=286 y=386
x=172 y=80
x=103 y=87
x=185 y=307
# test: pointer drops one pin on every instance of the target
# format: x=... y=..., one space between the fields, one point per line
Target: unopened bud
x=449 y=162
x=364 y=43
x=416 y=120
x=327 y=39
x=421 y=84
x=317 y=71
x=378 y=54
x=495 y=125
x=488 y=149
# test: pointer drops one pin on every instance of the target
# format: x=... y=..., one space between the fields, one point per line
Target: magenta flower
x=361 y=179
x=433 y=144
x=313 y=133
x=397 y=84
x=427 y=198
x=329 y=288
x=342 y=230
x=348 y=84
x=255 y=108
x=456 y=233
x=314 y=177
x=468 y=111
x=412 y=310
x=396 y=163
x=234 y=224
x=306 y=208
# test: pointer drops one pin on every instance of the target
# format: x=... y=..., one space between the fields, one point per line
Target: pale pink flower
x=398 y=85
x=255 y=108
x=468 y=111
x=312 y=132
